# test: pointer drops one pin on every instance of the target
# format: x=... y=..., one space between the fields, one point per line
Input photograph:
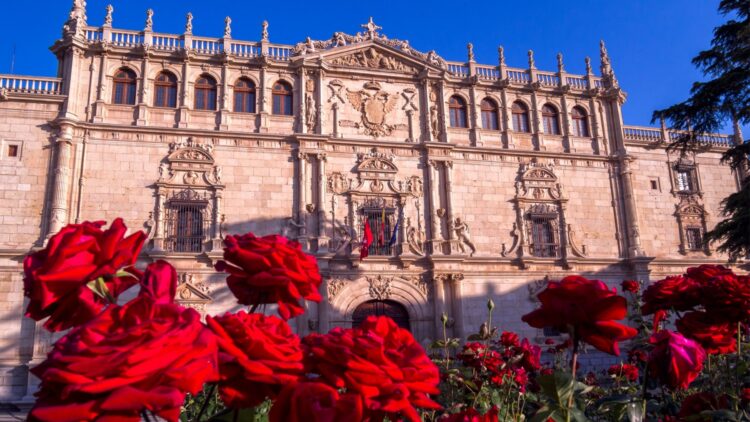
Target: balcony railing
x=31 y=85
x=649 y=134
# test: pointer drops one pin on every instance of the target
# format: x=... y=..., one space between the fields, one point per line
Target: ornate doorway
x=396 y=311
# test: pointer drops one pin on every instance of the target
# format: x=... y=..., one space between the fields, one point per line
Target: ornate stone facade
x=475 y=192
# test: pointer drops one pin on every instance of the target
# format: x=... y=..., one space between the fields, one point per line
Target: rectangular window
x=186 y=227
x=654 y=185
x=382 y=230
x=13 y=151
x=543 y=237
x=694 y=238
x=489 y=120
x=521 y=122
x=581 y=128
x=684 y=180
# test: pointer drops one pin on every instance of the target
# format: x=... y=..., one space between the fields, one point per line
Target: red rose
x=530 y=356
x=509 y=339
x=625 y=370
x=587 y=306
x=713 y=334
x=381 y=362
x=258 y=356
x=727 y=296
x=679 y=293
x=56 y=278
x=472 y=415
x=703 y=273
x=315 y=402
x=696 y=403
x=631 y=286
x=140 y=356
x=675 y=360
x=160 y=282
x=270 y=269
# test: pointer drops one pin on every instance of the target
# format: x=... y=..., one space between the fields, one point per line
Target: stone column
x=216 y=241
x=142 y=109
x=319 y=102
x=439 y=304
x=536 y=121
x=506 y=122
x=442 y=115
x=456 y=281
x=302 y=183
x=263 y=97
x=185 y=94
x=565 y=125
x=448 y=165
x=323 y=224
x=299 y=100
x=631 y=210
x=224 y=107
x=426 y=106
x=433 y=179
x=62 y=181
x=474 y=123
x=99 y=104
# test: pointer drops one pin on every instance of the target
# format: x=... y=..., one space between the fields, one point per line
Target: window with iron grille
x=186 y=226
x=684 y=180
x=694 y=239
x=543 y=240
x=381 y=225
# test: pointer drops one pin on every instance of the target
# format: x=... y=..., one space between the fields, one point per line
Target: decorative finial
x=76 y=20
x=227 y=27
x=78 y=10
x=608 y=74
x=470 y=50
x=588 y=66
x=532 y=64
x=189 y=23
x=264 y=32
x=501 y=55
x=372 y=28
x=108 y=16
x=560 y=66
x=149 y=20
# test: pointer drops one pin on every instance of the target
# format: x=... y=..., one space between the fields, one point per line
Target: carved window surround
x=375 y=185
x=188 y=175
x=691 y=215
x=680 y=169
x=539 y=195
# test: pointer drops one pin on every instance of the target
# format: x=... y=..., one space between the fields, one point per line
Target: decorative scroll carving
x=579 y=251
x=334 y=287
x=380 y=287
x=373 y=104
x=516 y=235
x=373 y=59
x=339 y=39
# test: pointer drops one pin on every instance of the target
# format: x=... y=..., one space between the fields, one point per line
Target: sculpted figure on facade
x=264 y=31
x=149 y=20
x=462 y=235
x=189 y=24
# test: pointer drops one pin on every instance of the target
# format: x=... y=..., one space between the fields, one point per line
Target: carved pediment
x=374 y=58
x=538 y=182
x=376 y=166
x=688 y=206
x=193 y=293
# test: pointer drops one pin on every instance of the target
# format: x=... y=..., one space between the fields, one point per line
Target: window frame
x=206 y=93
x=285 y=99
x=490 y=114
x=167 y=89
x=551 y=120
x=520 y=117
x=374 y=216
x=550 y=246
x=580 y=122
x=124 y=89
x=457 y=111
x=690 y=244
x=175 y=226
x=247 y=96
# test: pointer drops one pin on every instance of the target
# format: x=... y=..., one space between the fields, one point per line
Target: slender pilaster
x=323 y=223
x=448 y=166
x=61 y=189
x=434 y=199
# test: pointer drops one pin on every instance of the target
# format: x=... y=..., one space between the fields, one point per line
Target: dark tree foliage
x=724 y=97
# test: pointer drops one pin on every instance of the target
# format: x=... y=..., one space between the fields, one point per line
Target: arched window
x=551 y=120
x=124 y=87
x=457 y=108
x=282 y=99
x=489 y=114
x=394 y=310
x=244 y=96
x=205 y=93
x=580 y=122
x=520 y=117
x=165 y=90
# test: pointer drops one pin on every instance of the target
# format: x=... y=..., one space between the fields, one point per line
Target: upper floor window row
x=206 y=93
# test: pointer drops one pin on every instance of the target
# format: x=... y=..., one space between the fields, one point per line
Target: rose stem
x=573 y=372
x=205 y=402
x=144 y=413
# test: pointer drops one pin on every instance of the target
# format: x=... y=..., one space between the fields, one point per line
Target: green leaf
x=545 y=413
x=99 y=287
x=123 y=273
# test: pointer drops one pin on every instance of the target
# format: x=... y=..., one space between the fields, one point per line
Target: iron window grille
x=187 y=226
x=381 y=231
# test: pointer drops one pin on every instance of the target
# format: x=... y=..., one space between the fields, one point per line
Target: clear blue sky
x=651 y=42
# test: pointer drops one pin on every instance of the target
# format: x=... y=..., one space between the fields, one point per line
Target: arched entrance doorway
x=396 y=311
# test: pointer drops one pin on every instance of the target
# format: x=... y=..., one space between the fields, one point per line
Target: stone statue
x=189 y=23
x=463 y=236
x=338 y=39
x=227 y=27
x=264 y=32
x=344 y=239
x=501 y=55
x=532 y=63
x=470 y=50
x=218 y=173
x=163 y=171
x=149 y=20
x=108 y=17
x=292 y=224
x=311 y=113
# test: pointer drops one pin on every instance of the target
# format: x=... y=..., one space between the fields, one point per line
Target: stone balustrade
x=649 y=134
x=30 y=85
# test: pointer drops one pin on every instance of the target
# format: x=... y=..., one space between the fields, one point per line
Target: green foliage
x=734 y=231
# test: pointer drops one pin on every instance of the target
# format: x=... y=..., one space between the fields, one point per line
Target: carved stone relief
x=193 y=293
x=334 y=287
x=373 y=59
x=373 y=104
x=380 y=287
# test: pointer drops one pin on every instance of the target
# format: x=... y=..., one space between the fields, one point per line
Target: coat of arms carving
x=374 y=104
